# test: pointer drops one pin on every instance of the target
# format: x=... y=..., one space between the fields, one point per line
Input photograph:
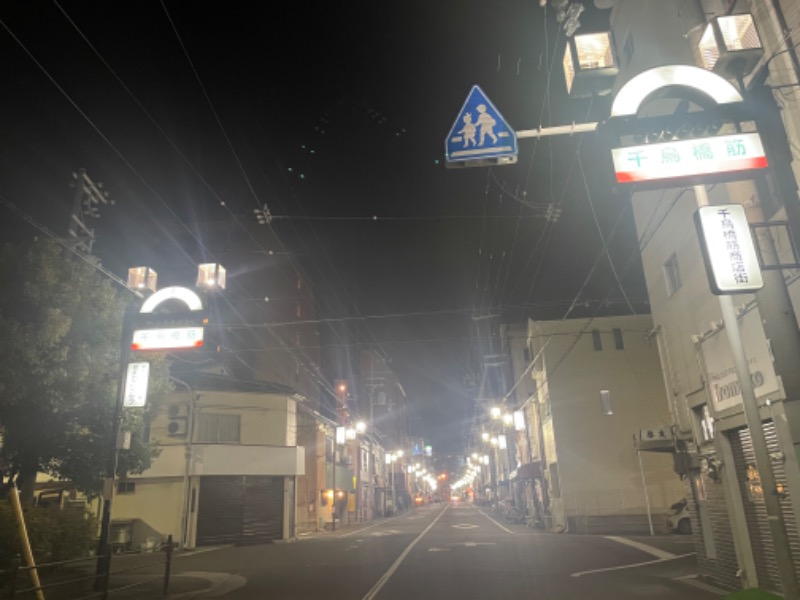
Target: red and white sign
x=168 y=338
x=688 y=158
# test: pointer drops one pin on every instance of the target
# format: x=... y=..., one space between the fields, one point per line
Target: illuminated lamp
x=730 y=45
x=589 y=65
x=143 y=279
x=211 y=276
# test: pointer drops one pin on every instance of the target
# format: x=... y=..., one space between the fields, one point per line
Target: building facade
x=596 y=384
x=226 y=470
x=735 y=537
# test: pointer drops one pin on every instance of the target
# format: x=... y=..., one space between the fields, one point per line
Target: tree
x=60 y=326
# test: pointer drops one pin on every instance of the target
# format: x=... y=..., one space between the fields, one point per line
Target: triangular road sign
x=480 y=135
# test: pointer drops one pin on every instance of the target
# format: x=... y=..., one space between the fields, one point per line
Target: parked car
x=678 y=517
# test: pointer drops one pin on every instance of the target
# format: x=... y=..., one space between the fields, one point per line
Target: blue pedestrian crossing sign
x=480 y=135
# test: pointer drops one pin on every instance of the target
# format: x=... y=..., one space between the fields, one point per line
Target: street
x=441 y=551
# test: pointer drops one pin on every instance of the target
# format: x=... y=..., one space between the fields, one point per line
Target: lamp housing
x=211 y=276
x=143 y=279
x=730 y=45
x=589 y=64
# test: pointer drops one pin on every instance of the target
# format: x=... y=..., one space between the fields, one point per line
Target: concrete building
x=596 y=384
x=226 y=471
x=738 y=542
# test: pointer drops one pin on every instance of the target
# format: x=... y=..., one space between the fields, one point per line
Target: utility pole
x=85 y=203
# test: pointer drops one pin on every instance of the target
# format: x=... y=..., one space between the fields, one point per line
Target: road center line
x=385 y=577
x=657 y=552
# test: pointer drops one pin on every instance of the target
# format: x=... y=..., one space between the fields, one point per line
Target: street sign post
x=480 y=136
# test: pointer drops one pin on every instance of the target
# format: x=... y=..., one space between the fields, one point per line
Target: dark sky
x=330 y=114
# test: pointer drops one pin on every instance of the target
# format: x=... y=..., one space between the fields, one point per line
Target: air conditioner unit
x=177 y=410
x=178 y=424
x=177 y=427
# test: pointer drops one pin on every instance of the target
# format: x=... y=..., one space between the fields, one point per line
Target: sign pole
x=103 y=550
x=769 y=488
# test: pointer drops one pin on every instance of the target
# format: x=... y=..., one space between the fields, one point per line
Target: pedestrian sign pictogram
x=480 y=135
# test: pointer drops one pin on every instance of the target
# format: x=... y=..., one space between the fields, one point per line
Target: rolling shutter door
x=240 y=509
x=755 y=509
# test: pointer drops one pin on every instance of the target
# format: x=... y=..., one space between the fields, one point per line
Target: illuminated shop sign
x=688 y=158
x=728 y=249
x=167 y=338
x=136 y=382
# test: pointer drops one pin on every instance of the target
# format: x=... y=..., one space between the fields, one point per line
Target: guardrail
x=74 y=585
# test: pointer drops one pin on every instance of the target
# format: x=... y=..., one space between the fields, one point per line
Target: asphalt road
x=443 y=552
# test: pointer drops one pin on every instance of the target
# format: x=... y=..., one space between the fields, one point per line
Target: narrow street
x=443 y=551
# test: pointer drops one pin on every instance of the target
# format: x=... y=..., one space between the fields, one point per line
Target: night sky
x=333 y=115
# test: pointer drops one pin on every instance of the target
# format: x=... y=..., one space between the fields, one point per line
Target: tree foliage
x=60 y=326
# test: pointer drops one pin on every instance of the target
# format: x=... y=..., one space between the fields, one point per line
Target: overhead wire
x=259 y=203
x=606 y=251
x=114 y=148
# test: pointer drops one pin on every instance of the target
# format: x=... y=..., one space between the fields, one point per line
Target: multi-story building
x=739 y=542
x=226 y=470
x=594 y=385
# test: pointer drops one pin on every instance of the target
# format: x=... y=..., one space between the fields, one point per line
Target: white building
x=226 y=471
x=597 y=385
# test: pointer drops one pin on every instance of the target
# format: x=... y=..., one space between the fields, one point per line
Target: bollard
x=167 y=565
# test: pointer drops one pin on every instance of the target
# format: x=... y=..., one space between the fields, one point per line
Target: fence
x=87 y=578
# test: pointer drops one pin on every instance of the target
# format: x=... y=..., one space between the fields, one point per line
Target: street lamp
x=730 y=45
x=211 y=276
x=142 y=279
x=159 y=338
x=589 y=64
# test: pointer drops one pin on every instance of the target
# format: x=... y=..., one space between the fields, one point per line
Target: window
x=618 y=343
x=605 y=402
x=218 y=428
x=596 y=341
x=672 y=275
x=126 y=487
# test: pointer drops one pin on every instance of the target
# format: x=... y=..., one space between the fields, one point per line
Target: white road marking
x=195 y=552
x=631 y=566
x=385 y=532
x=506 y=529
x=657 y=552
x=438 y=549
x=465 y=526
x=368 y=527
x=385 y=577
x=476 y=544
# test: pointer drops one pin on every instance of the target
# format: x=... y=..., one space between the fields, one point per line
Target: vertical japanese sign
x=136 y=382
x=728 y=249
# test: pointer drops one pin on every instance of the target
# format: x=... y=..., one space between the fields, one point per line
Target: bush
x=54 y=534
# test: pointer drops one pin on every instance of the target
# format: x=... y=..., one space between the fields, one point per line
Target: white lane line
x=631 y=566
x=195 y=552
x=385 y=577
x=506 y=529
x=657 y=552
